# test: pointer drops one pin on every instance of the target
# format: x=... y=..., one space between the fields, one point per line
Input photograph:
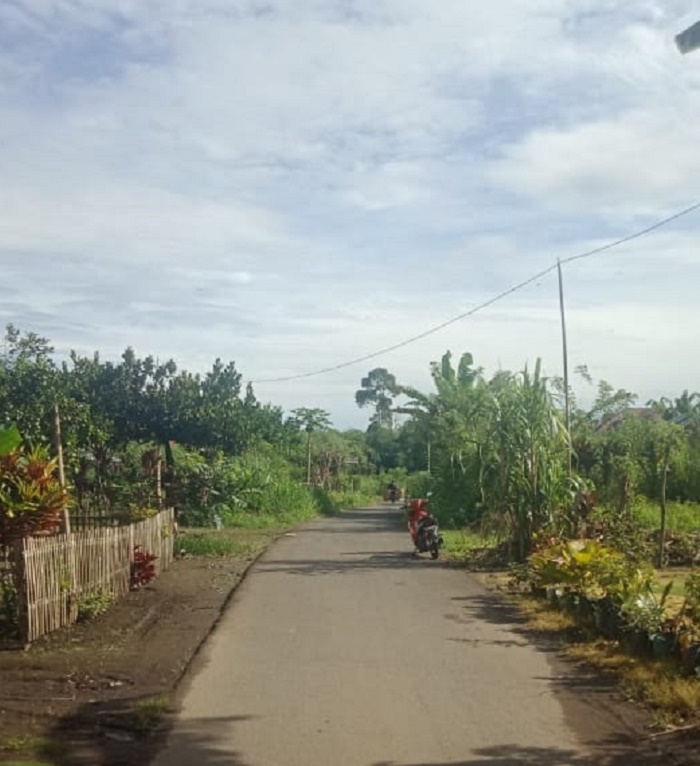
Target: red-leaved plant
x=143 y=570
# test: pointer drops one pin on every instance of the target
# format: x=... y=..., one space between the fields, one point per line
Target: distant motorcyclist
x=393 y=492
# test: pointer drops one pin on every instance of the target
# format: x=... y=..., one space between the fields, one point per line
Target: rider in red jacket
x=418 y=510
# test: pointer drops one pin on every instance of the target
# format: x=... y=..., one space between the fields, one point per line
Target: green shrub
x=94 y=604
x=419 y=484
x=9 y=616
x=589 y=569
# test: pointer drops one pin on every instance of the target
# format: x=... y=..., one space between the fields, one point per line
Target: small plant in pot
x=646 y=631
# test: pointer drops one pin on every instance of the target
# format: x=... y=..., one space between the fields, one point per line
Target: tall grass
x=682 y=517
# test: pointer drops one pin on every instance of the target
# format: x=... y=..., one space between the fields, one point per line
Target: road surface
x=340 y=649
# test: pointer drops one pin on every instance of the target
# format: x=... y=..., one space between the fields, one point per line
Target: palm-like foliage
x=500 y=446
x=32 y=500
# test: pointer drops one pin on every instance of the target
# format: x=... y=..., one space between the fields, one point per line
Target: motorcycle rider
x=418 y=513
x=392 y=492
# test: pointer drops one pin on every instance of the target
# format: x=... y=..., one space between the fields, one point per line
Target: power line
x=636 y=235
x=489 y=302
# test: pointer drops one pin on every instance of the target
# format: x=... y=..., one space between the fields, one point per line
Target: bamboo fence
x=57 y=573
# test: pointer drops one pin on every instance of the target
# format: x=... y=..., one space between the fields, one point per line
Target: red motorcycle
x=424 y=529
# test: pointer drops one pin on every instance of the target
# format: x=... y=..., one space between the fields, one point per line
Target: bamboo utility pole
x=567 y=403
x=59 y=456
x=70 y=550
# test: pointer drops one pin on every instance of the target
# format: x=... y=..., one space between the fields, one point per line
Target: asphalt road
x=340 y=649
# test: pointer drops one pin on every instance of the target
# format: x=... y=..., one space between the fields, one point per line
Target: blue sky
x=294 y=184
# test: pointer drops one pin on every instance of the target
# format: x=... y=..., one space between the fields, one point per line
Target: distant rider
x=392 y=492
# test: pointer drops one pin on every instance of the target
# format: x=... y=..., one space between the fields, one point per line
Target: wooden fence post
x=19 y=571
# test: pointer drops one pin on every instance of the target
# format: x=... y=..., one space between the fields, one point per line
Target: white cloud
x=639 y=162
x=294 y=183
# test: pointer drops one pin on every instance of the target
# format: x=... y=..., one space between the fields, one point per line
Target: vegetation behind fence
x=57 y=574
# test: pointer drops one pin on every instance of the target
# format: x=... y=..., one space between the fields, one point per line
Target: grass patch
x=147 y=714
x=30 y=751
x=677 y=576
x=213 y=544
x=475 y=549
x=677 y=594
x=347 y=499
x=248 y=520
x=30 y=745
x=673 y=698
x=682 y=517
x=27 y=763
x=236 y=543
x=544 y=618
x=463 y=543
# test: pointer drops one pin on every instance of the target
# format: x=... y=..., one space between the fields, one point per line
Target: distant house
x=642 y=413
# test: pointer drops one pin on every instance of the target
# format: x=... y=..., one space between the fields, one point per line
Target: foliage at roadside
x=611 y=595
x=496 y=455
x=139 y=433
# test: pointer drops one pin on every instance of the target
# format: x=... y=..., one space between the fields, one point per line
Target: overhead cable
x=489 y=302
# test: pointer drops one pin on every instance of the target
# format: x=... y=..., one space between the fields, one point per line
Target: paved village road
x=340 y=649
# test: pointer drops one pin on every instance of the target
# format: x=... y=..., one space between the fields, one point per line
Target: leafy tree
x=28 y=385
x=377 y=389
x=310 y=419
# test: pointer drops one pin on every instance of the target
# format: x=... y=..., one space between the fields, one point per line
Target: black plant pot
x=637 y=642
x=607 y=619
x=662 y=644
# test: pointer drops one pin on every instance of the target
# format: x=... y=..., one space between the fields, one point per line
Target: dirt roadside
x=100 y=693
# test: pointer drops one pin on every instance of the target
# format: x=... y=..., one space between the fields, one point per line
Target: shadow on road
x=363 y=562
x=195 y=744
x=491 y=608
x=618 y=754
x=510 y=755
x=361 y=520
x=113 y=735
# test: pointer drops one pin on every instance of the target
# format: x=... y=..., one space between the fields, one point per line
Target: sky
x=293 y=184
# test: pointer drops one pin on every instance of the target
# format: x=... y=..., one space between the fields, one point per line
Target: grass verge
x=474 y=549
x=147 y=714
x=29 y=751
x=236 y=543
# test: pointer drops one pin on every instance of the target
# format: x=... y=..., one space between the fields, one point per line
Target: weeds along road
x=340 y=649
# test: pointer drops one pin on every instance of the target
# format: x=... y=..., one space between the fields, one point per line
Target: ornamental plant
x=143 y=569
x=589 y=569
x=32 y=500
